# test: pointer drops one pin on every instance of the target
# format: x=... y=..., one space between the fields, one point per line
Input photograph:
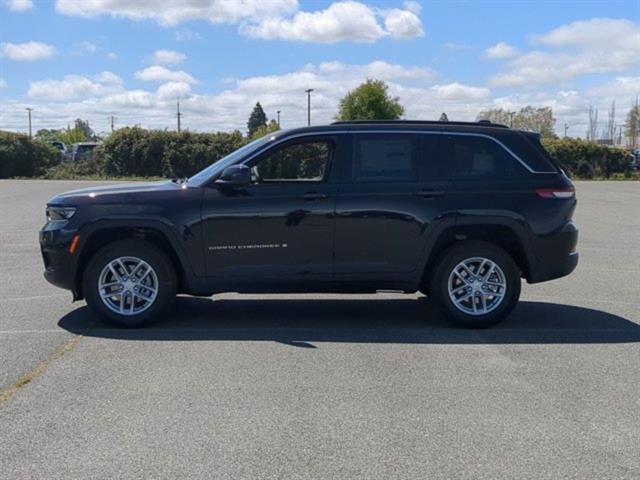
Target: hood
x=97 y=193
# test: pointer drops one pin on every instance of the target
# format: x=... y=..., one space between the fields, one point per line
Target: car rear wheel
x=476 y=284
x=129 y=282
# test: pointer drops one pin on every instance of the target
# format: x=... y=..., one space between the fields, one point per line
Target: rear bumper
x=555 y=255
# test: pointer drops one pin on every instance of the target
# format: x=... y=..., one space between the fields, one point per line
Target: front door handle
x=312 y=196
x=430 y=193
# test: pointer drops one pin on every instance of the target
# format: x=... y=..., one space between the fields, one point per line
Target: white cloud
x=413 y=6
x=597 y=32
x=73 y=87
x=173 y=12
x=457 y=91
x=112 y=56
x=27 y=52
x=173 y=90
x=344 y=20
x=499 y=51
x=341 y=21
x=95 y=97
x=620 y=86
x=156 y=73
x=3 y=83
x=402 y=23
x=87 y=47
x=588 y=47
x=19 y=5
x=167 y=57
x=130 y=99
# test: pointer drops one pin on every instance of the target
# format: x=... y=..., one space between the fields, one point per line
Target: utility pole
x=178 y=115
x=29 y=110
x=278 y=113
x=112 y=119
x=566 y=127
x=511 y=114
x=309 y=90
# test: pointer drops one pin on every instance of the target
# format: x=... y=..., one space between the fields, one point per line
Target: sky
x=133 y=59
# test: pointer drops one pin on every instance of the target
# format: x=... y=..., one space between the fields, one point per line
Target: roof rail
x=486 y=123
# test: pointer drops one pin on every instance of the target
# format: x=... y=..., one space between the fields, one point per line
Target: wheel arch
x=506 y=233
x=103 y=233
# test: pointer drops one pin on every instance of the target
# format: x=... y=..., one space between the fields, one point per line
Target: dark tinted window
x=306 y=161
x=528 y=147
x=386 y=157
x=433 y=166
x=479 y=158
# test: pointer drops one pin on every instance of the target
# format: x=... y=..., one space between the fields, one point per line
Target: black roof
x=373 y=125
x=480 y=123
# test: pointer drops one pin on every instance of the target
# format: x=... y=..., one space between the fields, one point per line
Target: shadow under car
x=304 y=322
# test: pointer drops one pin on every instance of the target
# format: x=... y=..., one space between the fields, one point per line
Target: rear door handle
x=430 y=193
x=311 y=196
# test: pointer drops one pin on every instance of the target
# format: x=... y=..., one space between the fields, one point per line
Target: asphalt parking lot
x=325 y=386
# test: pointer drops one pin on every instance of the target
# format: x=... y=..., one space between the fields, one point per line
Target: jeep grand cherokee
x=458 y=211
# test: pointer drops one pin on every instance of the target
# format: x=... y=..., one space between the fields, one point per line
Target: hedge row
x=139 y=152
x=21 y=156
x=584 y=159
x=136 y=152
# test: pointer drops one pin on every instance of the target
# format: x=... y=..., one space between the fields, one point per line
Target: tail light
x=562 y=192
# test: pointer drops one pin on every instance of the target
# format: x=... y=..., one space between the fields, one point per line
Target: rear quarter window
x=479 y=158
x=528 y=147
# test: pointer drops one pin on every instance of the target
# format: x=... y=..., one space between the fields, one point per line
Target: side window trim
x=288 y=142
x=419 y=132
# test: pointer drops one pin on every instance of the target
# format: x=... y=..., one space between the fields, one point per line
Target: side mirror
x=235 y=176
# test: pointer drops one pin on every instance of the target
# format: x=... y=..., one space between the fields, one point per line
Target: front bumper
x=59 y=263
x=555 y=255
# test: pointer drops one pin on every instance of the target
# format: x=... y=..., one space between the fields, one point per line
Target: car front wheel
x=129 y=282
x=476 y=284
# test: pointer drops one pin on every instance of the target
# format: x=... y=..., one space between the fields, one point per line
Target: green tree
x=370 y=101
x=263 y=130
x=257 y=119
x=632 y=126
x=529 y=118
x=83 y=126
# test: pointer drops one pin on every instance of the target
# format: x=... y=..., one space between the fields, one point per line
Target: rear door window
x=386 y=157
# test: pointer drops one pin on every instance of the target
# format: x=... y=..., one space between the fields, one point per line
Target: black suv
x=458 y=211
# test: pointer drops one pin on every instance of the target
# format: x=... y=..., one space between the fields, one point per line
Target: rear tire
x=475 y=283
x=128 y=283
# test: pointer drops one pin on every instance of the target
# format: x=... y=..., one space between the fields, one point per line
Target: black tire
x=159 y=262
x=465 y=250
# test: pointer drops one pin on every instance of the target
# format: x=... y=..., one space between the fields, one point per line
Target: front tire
x=476 y=284
x=129 y=282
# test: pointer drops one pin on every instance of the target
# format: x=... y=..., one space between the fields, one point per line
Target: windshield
x=202 y=176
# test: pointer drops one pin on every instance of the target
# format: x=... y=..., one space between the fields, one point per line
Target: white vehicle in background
x=62 y=149
x=82 y=151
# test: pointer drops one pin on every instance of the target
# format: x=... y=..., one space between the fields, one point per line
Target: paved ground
x=325 y=386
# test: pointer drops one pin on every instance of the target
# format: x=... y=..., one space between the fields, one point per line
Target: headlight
x=60 y=214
